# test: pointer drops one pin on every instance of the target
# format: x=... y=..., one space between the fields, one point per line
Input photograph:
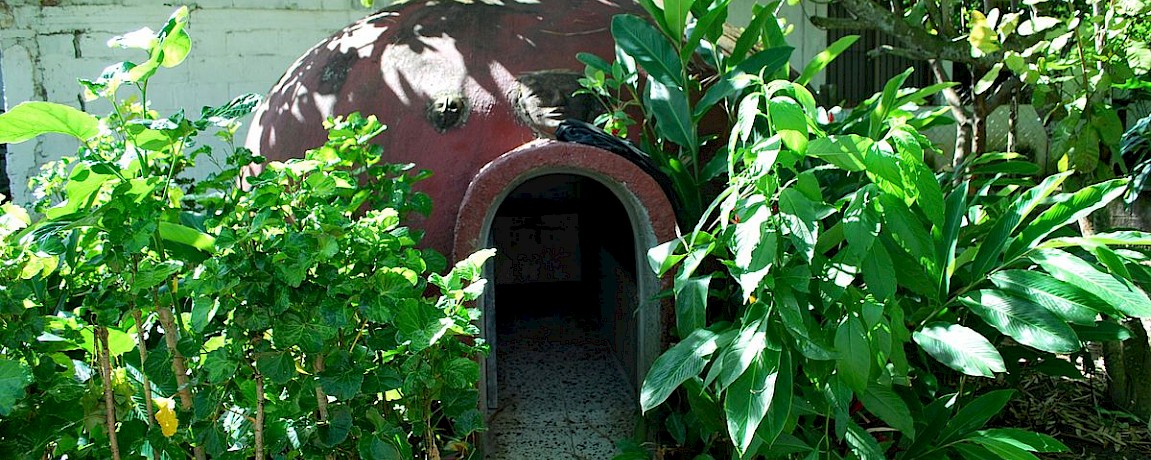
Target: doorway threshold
x=563 y=394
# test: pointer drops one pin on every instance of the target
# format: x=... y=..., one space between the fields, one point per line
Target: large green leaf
x=278 y=367
x=787 y=119
x=948 y=238
x=1113 y=238
x=14 y=378
x=975 y=414
x=854 y=361
x=683 y=361
x=799 y=217
x=675 y=15
x=1069 y=302
x=1119 y=293
x=749 y=398
x=846 y=152
x=1066 y=210
x=740 y=76
x=821 y=60
x=1003 y=449
x=862 y=443
x=706 y=26
x=691 y=304
x=992 y=245
x=1023 y=439
x=30 y=119
x=737 y=357
x=886 y=104
x=960 y=348
x=779 y=412
x=889 y=407
x=672 y=114
x=186 y=235
x=649 y=47
x=1025 y=321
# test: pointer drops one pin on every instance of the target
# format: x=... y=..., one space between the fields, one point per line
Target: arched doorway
x=636 y=339
x=565 y=300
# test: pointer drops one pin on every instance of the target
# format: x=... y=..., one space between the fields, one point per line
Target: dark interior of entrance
x=565 y=248
x=564 y=316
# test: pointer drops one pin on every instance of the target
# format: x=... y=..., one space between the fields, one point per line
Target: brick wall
x=238 y=46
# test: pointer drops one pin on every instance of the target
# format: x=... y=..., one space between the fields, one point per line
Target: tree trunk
x=1129 y=362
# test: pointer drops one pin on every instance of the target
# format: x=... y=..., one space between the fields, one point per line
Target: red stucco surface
x=392 y=64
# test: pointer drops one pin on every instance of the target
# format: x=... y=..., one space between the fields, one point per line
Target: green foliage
x=290 y=311
x=1077 y=63
x=674 y=99
x=835 y=296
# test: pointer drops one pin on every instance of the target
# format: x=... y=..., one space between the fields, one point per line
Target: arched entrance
x=565 y=304
x=570 y=317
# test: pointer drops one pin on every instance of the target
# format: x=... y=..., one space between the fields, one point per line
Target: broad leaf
x=821 y=60
x=1023 y=439
x=30 y=119
x=889 y=407
x=862 y=444
x=975 y=414
x=1069 y=302
x=737 y=357
x=14 y=378
x=1065 y=211
x=741 y=75
x=749 y=398
x=992 y=245
x=683 y=361
x=1119 y=293
x=1025 y=321
x=845 y=151
x=649 y=47
x=854 y=362
x=672 y=114
x=960 y=348
x=691 y=304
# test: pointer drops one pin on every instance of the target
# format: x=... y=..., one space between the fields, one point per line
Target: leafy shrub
x=146 y=315
x=835 y=298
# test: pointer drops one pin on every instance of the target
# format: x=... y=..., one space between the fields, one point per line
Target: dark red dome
x=457 y=84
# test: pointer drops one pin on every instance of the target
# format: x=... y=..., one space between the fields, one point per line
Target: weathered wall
x=239 y=46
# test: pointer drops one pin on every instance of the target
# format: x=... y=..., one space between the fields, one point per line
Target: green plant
x=672 y=92
x=837 y=297
x=1079 y=61
x=148 y=315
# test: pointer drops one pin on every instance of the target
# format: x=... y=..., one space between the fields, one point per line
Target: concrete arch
x=651 y=216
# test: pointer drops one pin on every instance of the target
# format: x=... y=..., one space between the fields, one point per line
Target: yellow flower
x=166 y=416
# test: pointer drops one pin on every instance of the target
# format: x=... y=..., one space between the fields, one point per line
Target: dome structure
x=458 y=85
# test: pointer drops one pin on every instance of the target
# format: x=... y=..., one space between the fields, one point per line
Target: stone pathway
x=562 y=394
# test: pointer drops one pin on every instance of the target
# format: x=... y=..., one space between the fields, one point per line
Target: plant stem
x=171 y=338
x=429 y=434
x=109 y=398
x=259 y=416
x=143 y=358
x=321 y=397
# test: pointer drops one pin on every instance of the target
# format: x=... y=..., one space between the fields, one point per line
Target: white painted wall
x=238 y=46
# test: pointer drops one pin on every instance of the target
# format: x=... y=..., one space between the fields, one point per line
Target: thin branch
x=949 y=94
x=109 y=399
x=827 y=23
x=259 y=416
x=143 y=359
x=171 y=339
